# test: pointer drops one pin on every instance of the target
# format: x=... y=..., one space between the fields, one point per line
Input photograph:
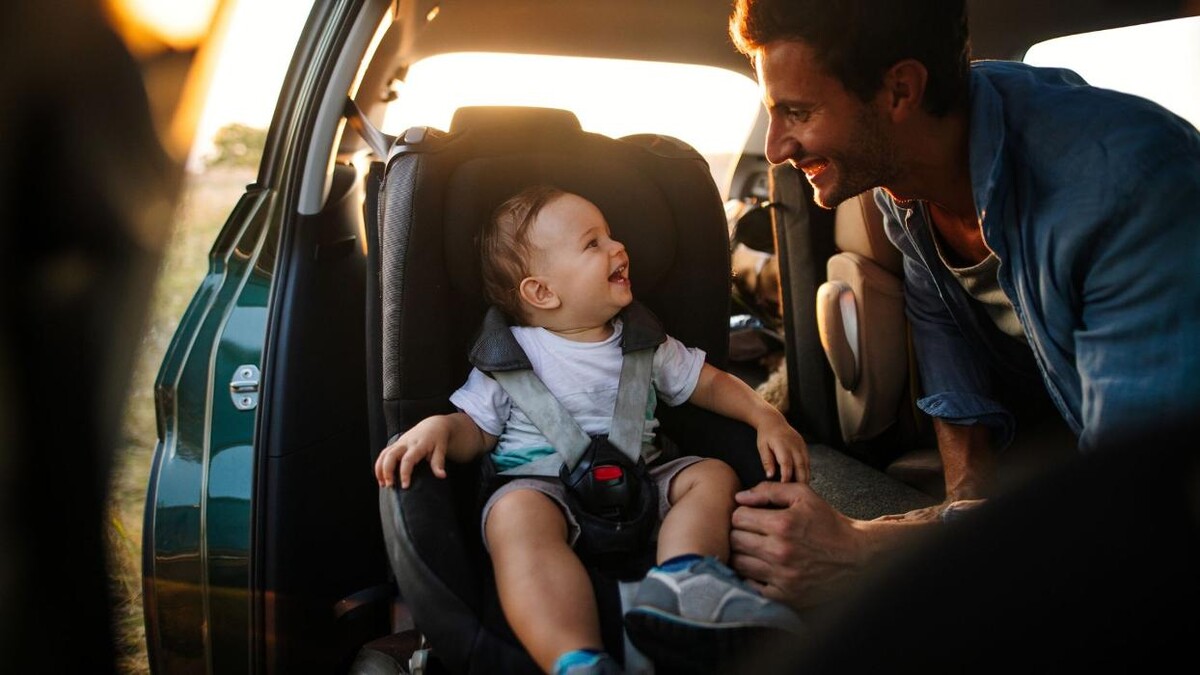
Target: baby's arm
x=778 y=442
x=435 y=438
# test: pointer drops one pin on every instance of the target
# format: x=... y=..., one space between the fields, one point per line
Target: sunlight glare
x=178 y=24
x=1159 y=61
x=711 y=109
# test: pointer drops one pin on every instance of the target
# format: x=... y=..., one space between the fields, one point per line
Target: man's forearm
x=967 y=459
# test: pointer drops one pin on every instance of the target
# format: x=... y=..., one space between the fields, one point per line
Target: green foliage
x=238 y=145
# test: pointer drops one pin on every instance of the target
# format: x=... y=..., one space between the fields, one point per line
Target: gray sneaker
x=700 y=614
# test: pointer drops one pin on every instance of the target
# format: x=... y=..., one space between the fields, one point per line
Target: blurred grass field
x=206 y=201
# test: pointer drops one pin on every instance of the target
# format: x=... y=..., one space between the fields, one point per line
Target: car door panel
x=196 y=548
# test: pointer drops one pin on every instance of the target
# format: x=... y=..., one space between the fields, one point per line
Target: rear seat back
x=863 y=329
x=438 y=190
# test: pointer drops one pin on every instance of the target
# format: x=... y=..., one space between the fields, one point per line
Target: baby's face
x=577 y=256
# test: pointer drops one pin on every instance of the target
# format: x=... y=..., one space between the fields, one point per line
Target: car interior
x=377 y=298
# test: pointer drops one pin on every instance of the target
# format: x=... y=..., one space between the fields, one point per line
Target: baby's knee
x=521 y=514
x=716 y=472
x=711 y=477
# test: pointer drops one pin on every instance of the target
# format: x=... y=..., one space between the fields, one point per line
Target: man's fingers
x=752 y=569
x=752 y=520
x=754 y=583
x=768 y=493
x=747 y=543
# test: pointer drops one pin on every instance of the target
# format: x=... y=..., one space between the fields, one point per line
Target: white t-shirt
x=583 y=376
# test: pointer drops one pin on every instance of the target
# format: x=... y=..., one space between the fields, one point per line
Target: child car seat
x=437 y=190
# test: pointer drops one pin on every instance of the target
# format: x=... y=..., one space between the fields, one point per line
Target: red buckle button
x=607 y=473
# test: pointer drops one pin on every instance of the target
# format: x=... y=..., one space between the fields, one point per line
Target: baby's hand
x=780 y=444
x=426 y=440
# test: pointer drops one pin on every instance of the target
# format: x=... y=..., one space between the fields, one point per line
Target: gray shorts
x=553 y=488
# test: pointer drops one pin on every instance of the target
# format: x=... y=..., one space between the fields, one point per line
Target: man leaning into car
x=1047 y=227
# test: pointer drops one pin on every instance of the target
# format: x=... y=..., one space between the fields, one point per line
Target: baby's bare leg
x=701 y=507
x=545 y=591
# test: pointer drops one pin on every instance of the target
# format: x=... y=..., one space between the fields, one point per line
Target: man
x=1046 y=226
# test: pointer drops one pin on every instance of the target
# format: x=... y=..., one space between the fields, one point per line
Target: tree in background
x=238 y=145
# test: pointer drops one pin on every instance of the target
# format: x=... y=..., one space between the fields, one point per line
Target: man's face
x=821 y=128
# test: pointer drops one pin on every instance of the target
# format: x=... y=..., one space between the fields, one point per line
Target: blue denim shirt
x=1091 y=200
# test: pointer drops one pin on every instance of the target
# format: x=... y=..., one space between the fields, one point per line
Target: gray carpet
x=858 y=490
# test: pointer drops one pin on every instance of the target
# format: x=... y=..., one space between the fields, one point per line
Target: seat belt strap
x=378 y=141
x=633 y=392
x=551 y=418
x=530 y=394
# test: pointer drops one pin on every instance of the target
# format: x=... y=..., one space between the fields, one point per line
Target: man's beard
x=872 y=162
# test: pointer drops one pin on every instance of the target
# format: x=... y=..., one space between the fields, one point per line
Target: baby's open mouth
x=618 y=275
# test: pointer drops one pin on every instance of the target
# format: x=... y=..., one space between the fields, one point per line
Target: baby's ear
x=538 y=294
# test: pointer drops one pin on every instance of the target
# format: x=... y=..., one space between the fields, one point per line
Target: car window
x=252 y=52
x=709 y=108
x=1159 y=61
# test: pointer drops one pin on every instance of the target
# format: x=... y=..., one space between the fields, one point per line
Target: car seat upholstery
x=437 y=191
x=860 y=316
x=849 y=417
x=864 y=333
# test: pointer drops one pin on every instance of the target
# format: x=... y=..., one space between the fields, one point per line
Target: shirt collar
x=987 y=160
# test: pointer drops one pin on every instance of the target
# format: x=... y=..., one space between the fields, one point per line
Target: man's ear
x=538 y=294
x=903 y=89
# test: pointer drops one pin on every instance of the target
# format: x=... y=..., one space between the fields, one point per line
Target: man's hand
x=428 y=439
x=794 y=547
x=780 y=444
x=791 y=544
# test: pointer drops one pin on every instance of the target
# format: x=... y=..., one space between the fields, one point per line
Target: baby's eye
x=593 y=243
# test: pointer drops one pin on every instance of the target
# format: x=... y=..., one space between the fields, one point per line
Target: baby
x=551 y=265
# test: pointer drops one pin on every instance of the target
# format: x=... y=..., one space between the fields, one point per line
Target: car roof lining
x=694 y=31
x=682 y=31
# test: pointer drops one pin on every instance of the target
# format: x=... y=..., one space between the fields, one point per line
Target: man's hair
x=858 y=40
x=504 y=249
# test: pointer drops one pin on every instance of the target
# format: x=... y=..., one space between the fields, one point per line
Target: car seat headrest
x=858 y=228
x=513 y=119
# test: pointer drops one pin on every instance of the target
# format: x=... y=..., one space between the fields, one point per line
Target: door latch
x=243 y=387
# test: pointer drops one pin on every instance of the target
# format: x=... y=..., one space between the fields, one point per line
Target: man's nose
x=780 y=145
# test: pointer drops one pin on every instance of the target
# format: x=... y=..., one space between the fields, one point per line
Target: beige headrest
x=858 y=228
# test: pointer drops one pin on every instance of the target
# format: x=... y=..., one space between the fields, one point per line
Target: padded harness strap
x=530 y=394
x=629 y=415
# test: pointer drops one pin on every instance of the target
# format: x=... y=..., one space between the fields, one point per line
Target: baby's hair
x=504 y=249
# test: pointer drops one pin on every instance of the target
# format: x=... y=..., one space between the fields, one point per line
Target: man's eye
x=797 y=114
